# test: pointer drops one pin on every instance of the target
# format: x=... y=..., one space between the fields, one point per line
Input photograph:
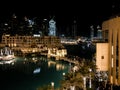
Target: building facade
x=111 y=33
x=29 y=44
x=28 y=41
x=102 y=57
x=34 y=44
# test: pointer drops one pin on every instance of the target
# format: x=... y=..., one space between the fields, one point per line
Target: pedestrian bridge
x=69 y=60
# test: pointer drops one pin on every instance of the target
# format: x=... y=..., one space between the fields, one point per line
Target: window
x=102 y=57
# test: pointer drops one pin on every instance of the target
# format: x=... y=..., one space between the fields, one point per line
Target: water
x=20 y=76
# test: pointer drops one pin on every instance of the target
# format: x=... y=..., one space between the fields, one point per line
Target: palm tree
x=77 y=80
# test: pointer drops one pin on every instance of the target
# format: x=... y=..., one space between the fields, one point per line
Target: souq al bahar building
x=111 y=33
x=34 y=44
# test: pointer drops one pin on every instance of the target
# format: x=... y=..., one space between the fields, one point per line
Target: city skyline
x=60 y=45
x=85 y=13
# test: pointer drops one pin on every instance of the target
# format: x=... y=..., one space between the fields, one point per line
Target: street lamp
x=99 y=76
x=84 y=81
x=52 y=84
x=90 y=85
x=63 y=75
x=72 y=87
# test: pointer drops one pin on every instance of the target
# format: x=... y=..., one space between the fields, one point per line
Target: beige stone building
x=111 y=33
x=28 y=41
x=30 y=44
x=102 y=56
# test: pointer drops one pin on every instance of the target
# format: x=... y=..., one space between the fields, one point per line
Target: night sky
x=86 y=12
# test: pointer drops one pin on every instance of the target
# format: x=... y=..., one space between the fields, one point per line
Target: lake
x=21 y=75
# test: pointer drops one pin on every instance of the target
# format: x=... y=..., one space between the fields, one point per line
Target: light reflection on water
x=20 y=76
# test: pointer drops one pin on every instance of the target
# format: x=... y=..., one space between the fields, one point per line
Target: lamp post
x=63 y=75
x=52 y=84
x=90 y=84
x=84 y=81
x=99 y=76
x=72 y=87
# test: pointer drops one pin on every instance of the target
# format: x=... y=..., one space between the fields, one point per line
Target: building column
x=118 y=57
x=110 y=56
x=114 y=55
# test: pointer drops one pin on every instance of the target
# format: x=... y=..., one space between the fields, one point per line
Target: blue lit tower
x=52 y=28
x=99 y=32
x=91 y=32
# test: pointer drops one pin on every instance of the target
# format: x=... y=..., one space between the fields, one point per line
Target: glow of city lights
x=6 y=24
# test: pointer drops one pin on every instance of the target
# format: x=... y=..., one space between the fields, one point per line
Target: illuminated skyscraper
x=99 y=32
x=91 y=32
x=52 y=28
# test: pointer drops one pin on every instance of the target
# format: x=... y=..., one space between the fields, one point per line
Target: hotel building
x=28 y=41
x=111 y=34
x=36 y=43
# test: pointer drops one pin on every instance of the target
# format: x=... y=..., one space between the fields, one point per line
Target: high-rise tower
x=99 y=32
x=74 y=28
x=14 y=25
x=45 y=27
x=91 y=32
x=52 y=28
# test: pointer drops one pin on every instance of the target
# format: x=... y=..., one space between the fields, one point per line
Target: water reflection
x=37 y=70
x=58 y=66
x=51 y=63
x=23 y=71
